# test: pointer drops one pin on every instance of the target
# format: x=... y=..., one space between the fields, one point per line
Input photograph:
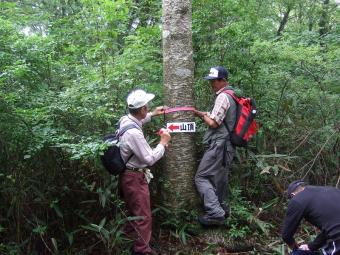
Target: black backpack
x=112 y=159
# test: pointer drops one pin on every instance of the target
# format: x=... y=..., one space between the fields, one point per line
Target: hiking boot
x=211 y=221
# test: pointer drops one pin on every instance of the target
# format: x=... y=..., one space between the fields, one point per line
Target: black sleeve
x=318 y=242
x=292 y=221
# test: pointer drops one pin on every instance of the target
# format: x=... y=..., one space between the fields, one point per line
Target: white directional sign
x=181 y=127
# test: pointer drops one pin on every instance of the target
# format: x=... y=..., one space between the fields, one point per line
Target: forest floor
x=214 y=241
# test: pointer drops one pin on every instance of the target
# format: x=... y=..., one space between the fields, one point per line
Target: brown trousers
x=136 y=195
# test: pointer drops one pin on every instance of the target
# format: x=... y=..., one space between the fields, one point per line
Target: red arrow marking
x=173 y=127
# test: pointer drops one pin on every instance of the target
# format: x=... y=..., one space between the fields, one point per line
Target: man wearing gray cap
x=211 y=178
x=318 y=205
x=139 y=155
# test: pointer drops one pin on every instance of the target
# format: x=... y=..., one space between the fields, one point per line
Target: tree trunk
x=180 y=161
x=283 y=21
x=324 y=19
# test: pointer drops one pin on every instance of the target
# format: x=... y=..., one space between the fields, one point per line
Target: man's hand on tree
x=199 y=113
x=165 y=137
x=159 y=110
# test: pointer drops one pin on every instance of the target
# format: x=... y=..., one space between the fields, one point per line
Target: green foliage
x=110 y=233
x=180 y=223
x=244 y=221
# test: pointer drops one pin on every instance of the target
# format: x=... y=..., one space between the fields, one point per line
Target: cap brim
x=210 y=78
x=149 y=97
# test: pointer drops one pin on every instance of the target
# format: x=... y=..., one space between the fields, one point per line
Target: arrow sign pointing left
x=173 y=127
x=181 y=127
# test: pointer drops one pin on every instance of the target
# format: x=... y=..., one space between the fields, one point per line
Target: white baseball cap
x=138 y=98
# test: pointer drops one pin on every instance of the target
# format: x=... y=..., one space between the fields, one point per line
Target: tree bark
x=283 y=21
x=178 y=74
x=324 y=19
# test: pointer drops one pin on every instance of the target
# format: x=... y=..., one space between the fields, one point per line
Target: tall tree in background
x=178 y=81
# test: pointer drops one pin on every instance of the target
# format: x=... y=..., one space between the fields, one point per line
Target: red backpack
x=245 y=125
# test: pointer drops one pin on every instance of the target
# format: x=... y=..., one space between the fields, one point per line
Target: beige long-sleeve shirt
x=134 y=142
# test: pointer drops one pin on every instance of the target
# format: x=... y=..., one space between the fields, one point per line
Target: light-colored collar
x=134 y=119
x=225 y=87
x=218 y=92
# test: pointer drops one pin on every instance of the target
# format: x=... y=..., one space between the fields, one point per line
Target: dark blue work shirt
x=318 y=205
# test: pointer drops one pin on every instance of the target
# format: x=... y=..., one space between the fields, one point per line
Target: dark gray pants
x=211 y=178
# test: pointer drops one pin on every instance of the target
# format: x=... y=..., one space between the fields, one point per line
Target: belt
x=136 y=169
x=147 y=173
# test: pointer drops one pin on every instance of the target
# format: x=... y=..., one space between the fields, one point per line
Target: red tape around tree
x=178 y=109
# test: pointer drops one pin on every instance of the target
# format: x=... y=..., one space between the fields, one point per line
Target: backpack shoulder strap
x=230 y=93
x=126 y=128
x=122 y=131
x=237 y=99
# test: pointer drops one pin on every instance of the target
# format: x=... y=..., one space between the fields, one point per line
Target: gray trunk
x=180 y=161
x=324 y=19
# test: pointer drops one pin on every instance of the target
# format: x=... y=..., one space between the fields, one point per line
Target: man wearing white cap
x=139 y=155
